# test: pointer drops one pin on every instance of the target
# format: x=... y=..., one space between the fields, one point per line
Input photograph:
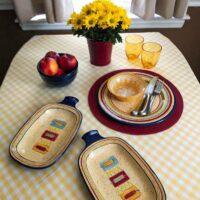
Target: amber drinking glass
x=150 y=54
x=133 y=46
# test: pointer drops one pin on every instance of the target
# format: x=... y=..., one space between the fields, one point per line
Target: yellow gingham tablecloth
x=172 y=154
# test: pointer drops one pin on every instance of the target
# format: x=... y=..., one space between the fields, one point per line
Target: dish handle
x=70 y=101
x=91 y=137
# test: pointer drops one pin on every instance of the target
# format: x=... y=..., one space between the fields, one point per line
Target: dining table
x=173 y=154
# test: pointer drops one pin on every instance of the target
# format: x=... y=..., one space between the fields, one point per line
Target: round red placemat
x=131 y=129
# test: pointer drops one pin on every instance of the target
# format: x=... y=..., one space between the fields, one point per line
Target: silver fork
x=157 y=91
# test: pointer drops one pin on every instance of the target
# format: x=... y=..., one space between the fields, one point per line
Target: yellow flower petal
x=112 y=21
x=90 y=21
x=126 y=23
x=87 y=10
x=103 y=24
x=76 y=21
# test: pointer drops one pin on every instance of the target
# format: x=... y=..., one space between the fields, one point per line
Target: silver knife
x=149 y=93
x=147 y=96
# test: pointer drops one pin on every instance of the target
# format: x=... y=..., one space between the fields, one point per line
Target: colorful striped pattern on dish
x=160 y=113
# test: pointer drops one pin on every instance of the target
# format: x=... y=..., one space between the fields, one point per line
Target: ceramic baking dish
x=47 y=134
x=113 y=170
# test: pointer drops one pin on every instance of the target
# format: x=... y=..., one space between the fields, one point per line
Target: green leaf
x=104 y=35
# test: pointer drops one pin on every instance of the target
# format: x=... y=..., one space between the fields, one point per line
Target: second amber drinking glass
x=150 y=54
x=133 y=46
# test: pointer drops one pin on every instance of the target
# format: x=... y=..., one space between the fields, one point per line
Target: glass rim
x=160 y=49
x=138 y=35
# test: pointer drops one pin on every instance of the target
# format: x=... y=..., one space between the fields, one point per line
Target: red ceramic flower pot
x=100 y=52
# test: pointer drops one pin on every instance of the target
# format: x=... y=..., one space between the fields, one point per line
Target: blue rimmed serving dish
x=47 y=134
x=113 y=170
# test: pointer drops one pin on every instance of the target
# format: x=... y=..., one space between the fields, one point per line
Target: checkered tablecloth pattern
x=172 y=154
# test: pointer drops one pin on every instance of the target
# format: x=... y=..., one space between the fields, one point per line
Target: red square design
x=119 y=178
x=49 y=135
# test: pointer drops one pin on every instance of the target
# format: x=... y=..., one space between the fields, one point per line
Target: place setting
x=140 y=110
x=136 y=101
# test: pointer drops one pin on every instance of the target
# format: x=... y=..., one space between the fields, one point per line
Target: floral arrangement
x=100 y=20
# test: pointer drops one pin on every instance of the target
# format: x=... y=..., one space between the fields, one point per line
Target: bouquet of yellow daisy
x=100 y=20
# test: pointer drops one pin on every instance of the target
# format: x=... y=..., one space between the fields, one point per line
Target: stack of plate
x=121 y=111
x=115 y=114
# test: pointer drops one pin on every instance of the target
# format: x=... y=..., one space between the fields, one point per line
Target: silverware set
x=153 y=89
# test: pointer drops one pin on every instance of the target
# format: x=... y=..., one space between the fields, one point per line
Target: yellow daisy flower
x=122 y=13
x=97 y=7
x=117 y=15
x=90 y=21
x=107 y=6
x=112 y=21
x=100 y=16
x=112 y=10
x=126 y=23
x=76 y=21
x=73 y=15
x=87 y=10
x=102 y=23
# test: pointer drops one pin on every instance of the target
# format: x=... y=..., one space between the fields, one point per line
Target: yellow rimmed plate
x=121 y=111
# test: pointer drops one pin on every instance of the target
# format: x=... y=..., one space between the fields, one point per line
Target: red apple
x=60 y=72
x=49 y=66
x=52 y=54
x=67 y=62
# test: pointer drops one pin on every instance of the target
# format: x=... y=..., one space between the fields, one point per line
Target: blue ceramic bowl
x=60 y=81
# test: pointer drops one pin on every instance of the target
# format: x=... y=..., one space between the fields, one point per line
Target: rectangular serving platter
x=113 y=170
x=47 y=134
